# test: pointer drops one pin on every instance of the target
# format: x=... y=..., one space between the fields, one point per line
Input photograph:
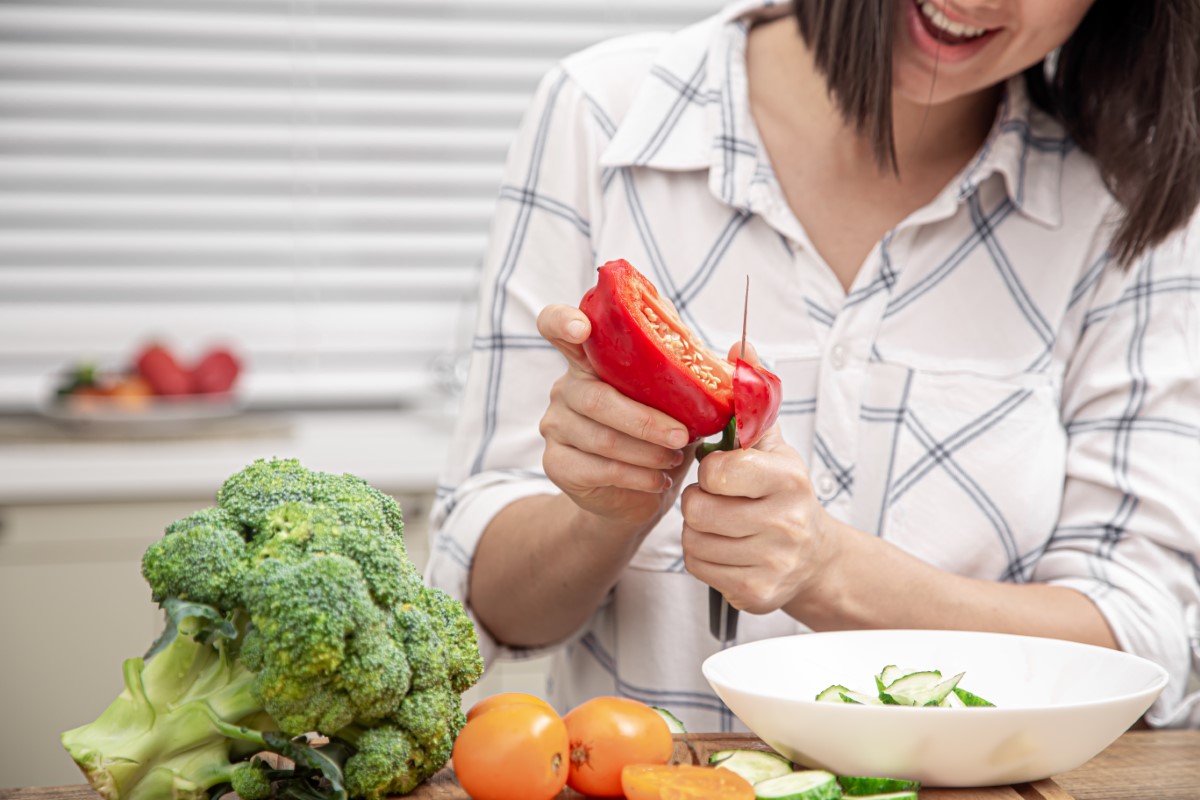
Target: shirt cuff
x=1160 y=635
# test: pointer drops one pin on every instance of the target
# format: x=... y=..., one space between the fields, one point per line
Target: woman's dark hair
x=1126 y=87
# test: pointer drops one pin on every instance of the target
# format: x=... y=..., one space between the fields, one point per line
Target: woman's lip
x=936 y=49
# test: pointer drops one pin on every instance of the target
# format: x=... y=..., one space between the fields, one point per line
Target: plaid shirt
x=993 y=394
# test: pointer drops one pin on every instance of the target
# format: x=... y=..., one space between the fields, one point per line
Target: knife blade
x=722 y=617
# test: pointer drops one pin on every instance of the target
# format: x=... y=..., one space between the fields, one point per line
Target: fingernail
x=678 y=459
x=576 y=329
x=676 y=438
x=667 y=482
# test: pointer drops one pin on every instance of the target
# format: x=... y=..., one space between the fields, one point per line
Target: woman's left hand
x=753 y=527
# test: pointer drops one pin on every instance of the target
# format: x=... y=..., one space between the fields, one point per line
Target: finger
x=578 y=472
x=598 y=401
x=571 y=428
x=731 y=518
x=567 y=328
x=772 y=441
x=712 y=548
x=750 y=355
x=750 y=473
x=725 y=579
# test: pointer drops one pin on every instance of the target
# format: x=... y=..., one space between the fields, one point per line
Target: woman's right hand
x=615 y=458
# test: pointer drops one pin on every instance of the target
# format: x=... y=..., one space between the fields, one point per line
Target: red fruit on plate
x=216 y=372
x=164 y=374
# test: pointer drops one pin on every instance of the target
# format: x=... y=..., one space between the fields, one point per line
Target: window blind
x=309 y=181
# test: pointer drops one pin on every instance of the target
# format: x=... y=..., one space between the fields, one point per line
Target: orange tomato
x=506 y=699
x=683 y=782
x=513 y=752
x=643 y=781
x=609 y=733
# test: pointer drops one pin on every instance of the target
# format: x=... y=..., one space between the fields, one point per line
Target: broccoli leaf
x=213 y=624
x=326 y=762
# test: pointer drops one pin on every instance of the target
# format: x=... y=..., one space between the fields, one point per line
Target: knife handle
x=722 y=617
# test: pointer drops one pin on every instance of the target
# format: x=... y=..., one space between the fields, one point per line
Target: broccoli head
x=293 y=610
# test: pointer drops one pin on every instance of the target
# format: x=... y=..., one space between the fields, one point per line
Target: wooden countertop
x=1141 y=765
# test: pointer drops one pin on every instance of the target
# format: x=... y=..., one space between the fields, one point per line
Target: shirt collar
x=692 y=112
x=1026 y=147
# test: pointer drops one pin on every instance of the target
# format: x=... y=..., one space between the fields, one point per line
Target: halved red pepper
x=640 y=347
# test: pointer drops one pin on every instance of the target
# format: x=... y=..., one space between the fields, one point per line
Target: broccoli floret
x=387 y=762
x=297 y=611
x=200 y=558
x=250 y=780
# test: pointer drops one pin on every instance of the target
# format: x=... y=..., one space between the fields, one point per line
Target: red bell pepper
x=757 y=394
x=640 y=347
x=216 y=373
x=156 y=364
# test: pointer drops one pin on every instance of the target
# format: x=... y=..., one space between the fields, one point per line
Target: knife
x=722 y=617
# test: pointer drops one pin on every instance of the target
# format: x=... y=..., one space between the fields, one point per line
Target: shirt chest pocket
x=975 y=466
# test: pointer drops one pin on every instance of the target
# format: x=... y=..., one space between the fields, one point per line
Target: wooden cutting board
x=697 y=747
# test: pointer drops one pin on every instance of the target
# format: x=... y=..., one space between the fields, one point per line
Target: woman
x=973 y=279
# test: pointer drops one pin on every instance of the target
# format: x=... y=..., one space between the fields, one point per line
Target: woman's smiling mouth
x=937 y=35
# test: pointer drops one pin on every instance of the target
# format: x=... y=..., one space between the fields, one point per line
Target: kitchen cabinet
x=75 y=606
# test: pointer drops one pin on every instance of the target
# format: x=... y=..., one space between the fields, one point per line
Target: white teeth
x=942 y=22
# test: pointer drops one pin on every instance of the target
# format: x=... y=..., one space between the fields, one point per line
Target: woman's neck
x=928 y=139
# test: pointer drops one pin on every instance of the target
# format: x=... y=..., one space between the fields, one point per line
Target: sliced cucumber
x=892 y=673
x=840 y=694
x=673 y=723
x=881 y=693
x=809 y=784
x=753 y=765
x=851 y=696
x=833 y=694
x=908 y=687
x=969 y=699
x=906 y=795
x=914 y=680
x=922 y=689
x=853 y=786
x=805 y=785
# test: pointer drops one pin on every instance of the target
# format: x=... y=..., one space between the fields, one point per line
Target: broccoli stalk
x=292 y=609
x=178 y=727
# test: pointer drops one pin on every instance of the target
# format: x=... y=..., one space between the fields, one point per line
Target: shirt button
x=837 y=356
x=826 y=485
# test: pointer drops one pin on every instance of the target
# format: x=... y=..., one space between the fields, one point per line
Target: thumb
x=566 y=327
x=751 y=355
x=772 y=441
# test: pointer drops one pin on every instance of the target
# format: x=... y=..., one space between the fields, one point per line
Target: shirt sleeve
x=1128 y=536
x=539 y=252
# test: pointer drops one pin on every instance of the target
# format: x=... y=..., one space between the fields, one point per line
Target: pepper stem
x=728 y=441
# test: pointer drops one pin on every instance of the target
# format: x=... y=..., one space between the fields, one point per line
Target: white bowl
x=1057 y=703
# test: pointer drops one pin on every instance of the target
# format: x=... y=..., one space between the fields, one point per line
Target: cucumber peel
x=833 y=694
x=673 y=723
x=854 y=786
x=971 y=700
